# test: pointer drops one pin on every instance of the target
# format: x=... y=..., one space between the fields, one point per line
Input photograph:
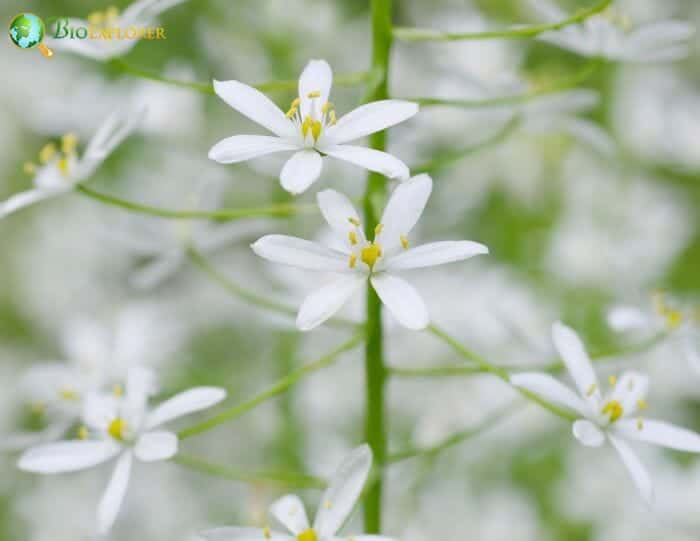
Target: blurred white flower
x=120 y=426
x=611 y=36
x=139 y=14
x=61 y=169
x=310 y=129
x=337 y=503
x=606 y=416
x=356 y=259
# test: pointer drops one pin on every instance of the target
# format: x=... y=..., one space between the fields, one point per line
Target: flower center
x=614 y=410
x=672 y=316
x=369 y=252
x=50 y=152
x=117 y=429
x=316 y=119
x=307 y=535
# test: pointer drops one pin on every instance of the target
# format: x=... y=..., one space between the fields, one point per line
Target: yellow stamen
x=267 y=533
x=117 y=428
x=68 y=143
x=378 y=229
x=404 y=241
x=63 y=166
x=370 y=254
x=314 y=94
x=327 y=107
x=612 y=380
x=316 y=128
x=673 y=318
x=591 y=389
x=353 y=260
x=640 y=424
x=352 y=236
x=96 y=18
x=354 y=221
x=29 y=168
x=83 y=433
x=307 y=535
x=306 y=126
x=295 y=103
x=327 y=504
x=118 y=391
x=47 y=152
x=642 y=404
x=613 y=409
x=291 y=112
x=69 y=395
x=331 y=118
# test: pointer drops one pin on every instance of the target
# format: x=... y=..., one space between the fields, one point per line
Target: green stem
x=224 y=215
x=276 y=389
x=489 y=368
x=208 y=88
x=426 y=34
x=277 y=478
x=558 y=86
x=375 y=370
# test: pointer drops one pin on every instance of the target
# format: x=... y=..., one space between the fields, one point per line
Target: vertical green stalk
x=375 y=429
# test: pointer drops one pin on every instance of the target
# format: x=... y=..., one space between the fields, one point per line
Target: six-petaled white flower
x=120 y=425
x=310 y=129
x=335 y=507
x=615 y=416
x=611 y=36
x=61 y=169
x=356 y=259
x=107 y=23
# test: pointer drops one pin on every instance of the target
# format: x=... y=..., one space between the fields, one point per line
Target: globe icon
x=26 y=30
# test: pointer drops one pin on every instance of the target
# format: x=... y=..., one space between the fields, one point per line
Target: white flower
x=309 y=129
x=61 y=169
x=609 y=35
x=614 y=416
x=356 y=259
x=336 y=505
x=120 y=426
x=141 y=14
x=660 y=316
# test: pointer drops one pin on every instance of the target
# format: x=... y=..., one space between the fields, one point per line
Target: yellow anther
x=96 y=18
x=314 y=94
x=614 y=410
x=612 y=380
x=307 y=535
x=640 y=424
x=117 y=429
x=83 y=433
x=327 y=504
x=404 y=241
x=353 y=260
x=112 y=13
x=306 y=126
x=591 y=389
x=69 y=142
x=29 y=168
x=267 y=533
x=69 y=395
x=331 y=118
x=378 y=229
x=291 y=112
x=354 y=221
x=327 y=107
x=352 y=237
x=47 y=152
x=316 y=128
x=642 y=404
x=63 y=166
x=673 y=318
x=118 y=390
x=295 y=103
x=370 y=254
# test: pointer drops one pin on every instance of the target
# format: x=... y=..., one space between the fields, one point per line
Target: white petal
x=24 y=199
x=691 y=349
x=156 y=272
x=300 y=253
x=628 y=318
x=240 y=148
x=574 y=355
x=242 y=534
x=636 y=469
x=370 y=118
x=551 y=389
x=402 y=300
x=591 y=134
x=343 y=491
x=588 y=433
x=325 y=302
x=290 y=513
x=301 y=171
x=253 y=104
x=658 y=34
x=185 y=403
x=630 y=389
x=317 y=76
x=374 y=160
x=157 y=445
x=403 y=210
x=113 y=497
x=660 y=433
x=435 y=253
x=145 y=11
x=337 y=210
x=140 y=382
x=99 y=409
x=373 y=538
x=549 y=10
x=66 y=456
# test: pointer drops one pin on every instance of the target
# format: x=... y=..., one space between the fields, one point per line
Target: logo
x=27 y=31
